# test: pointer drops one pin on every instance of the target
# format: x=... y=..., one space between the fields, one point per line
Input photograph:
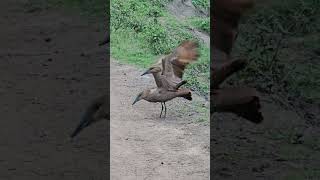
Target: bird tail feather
x=185 y=93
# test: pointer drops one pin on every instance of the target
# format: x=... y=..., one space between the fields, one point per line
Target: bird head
x=152 y=70
x=139 y=97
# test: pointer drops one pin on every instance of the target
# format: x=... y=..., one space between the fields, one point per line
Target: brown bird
x=224 y=67
x=168 y=76
x=243 y=101
x=162 y=95
x=97 y=110
x=226 y=16
x=168 y=70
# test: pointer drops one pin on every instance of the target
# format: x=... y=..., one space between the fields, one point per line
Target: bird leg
x=174 y=89
x=165 y=110
x=180 y=84
x=161 y=109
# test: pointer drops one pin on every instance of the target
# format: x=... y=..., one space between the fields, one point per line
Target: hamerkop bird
x=96 y=111
x=243 y=101
x=168 y=72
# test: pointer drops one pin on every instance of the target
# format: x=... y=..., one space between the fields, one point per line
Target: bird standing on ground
x=168 y=72
x=98 y=109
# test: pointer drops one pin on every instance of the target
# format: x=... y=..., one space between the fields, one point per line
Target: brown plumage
x=168 y=73
x=162 y=95
x=226 y=16
x=224 y=67
x=168 y=70
x=242 y=101
x=98 y=108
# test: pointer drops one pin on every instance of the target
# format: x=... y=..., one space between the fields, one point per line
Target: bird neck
x=157 y=78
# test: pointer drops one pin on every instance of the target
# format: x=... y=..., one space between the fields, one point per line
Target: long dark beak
x=83 y=124
x=87 y=119
x=106 y=40
x=136 y=100
x=147 y=72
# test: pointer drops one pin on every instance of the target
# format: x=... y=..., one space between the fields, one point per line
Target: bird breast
x=160 y=95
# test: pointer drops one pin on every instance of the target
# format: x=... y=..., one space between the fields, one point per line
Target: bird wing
x=157 y=77
x=185 y=54
x=243 y=101
x=174 y=64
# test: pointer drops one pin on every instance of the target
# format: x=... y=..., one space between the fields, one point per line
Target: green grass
x=204 y=4
x=142 y=30
x=200 y=23
x=284 y=27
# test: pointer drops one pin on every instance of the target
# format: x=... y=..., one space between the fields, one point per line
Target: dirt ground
x=144 y=146
x=283 y=147
x=51 y=68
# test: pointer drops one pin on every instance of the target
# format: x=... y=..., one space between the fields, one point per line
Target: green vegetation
x=203 y=4
x=200 y=23
x=142 y=30
x=282 y=42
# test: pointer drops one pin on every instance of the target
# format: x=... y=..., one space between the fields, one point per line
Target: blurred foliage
x=142 y=30
x=283 y=57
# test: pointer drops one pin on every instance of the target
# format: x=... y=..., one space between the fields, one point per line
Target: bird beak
x=147 y=72
x=83 y=124
x=136 y=100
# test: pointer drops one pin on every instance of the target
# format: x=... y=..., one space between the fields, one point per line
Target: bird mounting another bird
x=98 y=109
x=168 y=73
x=243 y=101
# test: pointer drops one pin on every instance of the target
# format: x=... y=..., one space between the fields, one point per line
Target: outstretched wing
x=174 y=64
x=185 y=54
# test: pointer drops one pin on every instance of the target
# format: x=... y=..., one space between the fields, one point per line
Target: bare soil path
x=50 y=69
x=143 y=146
x=183 y=9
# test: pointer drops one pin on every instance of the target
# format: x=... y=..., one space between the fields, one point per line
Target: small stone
x=47 y=39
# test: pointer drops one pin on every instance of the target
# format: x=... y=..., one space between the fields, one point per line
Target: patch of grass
x=198 y=75
x=142 y=30
x=275 y=63
x=203 y=4
x=128 y=47
x=200 y=23
x=198 y=107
